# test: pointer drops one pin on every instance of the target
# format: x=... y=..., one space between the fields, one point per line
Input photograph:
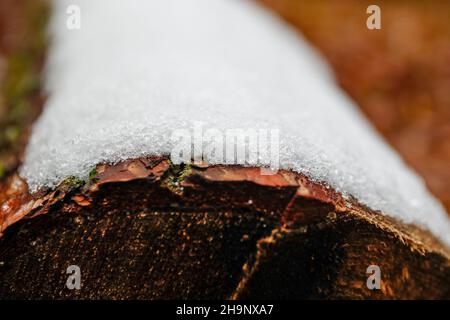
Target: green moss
x=184 y=172
x=73 y=181
x=12 y=133
x=2 y=170
x=92 y=174
x=175 y=175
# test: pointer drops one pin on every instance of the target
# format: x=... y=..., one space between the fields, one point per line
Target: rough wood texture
x=147 y=229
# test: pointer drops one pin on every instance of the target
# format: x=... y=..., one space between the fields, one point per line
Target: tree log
x=147 y=229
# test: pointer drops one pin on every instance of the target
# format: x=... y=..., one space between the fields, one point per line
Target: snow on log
x=136 y=71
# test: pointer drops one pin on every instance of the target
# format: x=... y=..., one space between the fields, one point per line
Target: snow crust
x=136 y=70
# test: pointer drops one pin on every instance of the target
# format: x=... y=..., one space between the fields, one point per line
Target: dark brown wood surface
x=149 y=230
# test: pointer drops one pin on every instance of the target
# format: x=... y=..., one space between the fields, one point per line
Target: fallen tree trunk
x=146 y=229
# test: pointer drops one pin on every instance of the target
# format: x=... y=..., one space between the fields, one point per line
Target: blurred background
x=398 y=75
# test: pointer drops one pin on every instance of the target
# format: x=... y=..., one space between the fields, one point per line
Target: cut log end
x=147 y=229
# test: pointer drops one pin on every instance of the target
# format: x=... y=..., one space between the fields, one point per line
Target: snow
x=137 y=70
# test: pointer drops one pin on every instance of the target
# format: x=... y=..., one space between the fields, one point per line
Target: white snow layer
x=137 y=70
